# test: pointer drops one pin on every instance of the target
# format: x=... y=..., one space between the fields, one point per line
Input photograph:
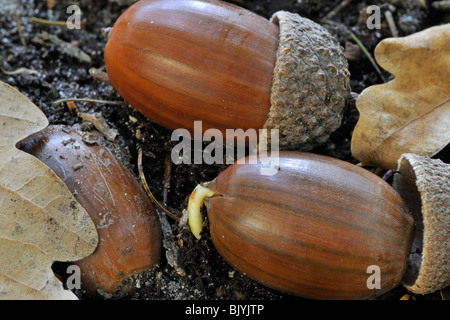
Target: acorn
x=424 y=183
x=318 y=228
x=179 y=61
x=128 y=227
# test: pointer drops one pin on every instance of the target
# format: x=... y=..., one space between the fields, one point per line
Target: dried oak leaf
x=40 y=220
x=410 y=114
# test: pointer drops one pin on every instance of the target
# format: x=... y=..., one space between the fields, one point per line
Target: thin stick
x=54 y=23
x=147 y=189
x=20 y=30
x=369 y=56
x=167 y=176
x=119 y=103
x=391 y=23
x=389 y=174
x=19 y=71
x=336 y=9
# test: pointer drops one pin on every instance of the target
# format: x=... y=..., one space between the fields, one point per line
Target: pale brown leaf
x=40 y=220
x=410 y=114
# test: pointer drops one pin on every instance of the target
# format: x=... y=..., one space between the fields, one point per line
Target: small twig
x=100 y=124
x=147 y=189
x=49 y=40
x=54 y=23
x=118 y=103
x=99 y=74
x=391 y=23
x=48 y=22
x=167 y=176
x=445 y=293
x=20 y=30
x=369 y=56
x=336 y=9
x=172 y=249
x=19 y=71
x=388 y=174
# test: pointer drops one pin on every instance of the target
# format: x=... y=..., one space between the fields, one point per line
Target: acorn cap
x=310 y=85
x=424 y=183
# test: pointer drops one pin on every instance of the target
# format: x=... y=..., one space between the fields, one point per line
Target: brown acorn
x=318 y=228
x=127 y=224
x=179 y=61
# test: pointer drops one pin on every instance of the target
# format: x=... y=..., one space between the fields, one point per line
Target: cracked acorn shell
x=424 y=183
x=180 y=61
x=129 y=231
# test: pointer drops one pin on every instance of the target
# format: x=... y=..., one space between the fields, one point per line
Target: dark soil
x=207 y=275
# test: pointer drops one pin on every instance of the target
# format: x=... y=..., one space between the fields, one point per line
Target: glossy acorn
x=129 y=231
x=180 y=61
x=318 y=228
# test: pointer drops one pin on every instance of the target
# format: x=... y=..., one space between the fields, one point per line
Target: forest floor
x=56 y=75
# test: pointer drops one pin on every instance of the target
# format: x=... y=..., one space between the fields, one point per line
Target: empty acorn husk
x=126 y=221
x=424 y=184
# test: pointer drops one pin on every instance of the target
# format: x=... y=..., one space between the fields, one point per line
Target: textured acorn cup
x=182 y=61
x=313 y=229
x=424 y=183
x=126 y=221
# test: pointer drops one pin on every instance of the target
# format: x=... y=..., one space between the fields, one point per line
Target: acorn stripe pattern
x=313 y=229
x=194 y=63
x=181 y=61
